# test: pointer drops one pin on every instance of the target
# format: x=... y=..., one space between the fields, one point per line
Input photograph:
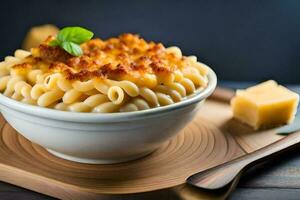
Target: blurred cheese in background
x=37 y=34
x=265 y=105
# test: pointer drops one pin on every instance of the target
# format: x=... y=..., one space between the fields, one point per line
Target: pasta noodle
x=71 y=96
x=3 y=82
x=106 y=107
x=130 y=88
x=121 y=74
x=149 y=96
x=116 y=94
x=164 y=99
x=37 y=90
x=49 y=97
x=23 y=89
x=32 y=76
x=83 y=86
x=174 y=94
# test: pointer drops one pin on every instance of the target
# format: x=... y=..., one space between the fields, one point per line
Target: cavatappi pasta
x=116 y=75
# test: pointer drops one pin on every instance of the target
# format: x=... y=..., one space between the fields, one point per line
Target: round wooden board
x=199 y=146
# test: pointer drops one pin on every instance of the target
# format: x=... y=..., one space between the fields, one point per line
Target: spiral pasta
x=121 y=74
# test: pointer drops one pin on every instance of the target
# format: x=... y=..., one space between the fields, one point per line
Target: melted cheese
x=127 y=57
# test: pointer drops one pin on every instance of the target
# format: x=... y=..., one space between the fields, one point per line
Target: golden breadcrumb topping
x=125 y=57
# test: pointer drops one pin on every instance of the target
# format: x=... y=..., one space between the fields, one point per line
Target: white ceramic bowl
x=102 y=138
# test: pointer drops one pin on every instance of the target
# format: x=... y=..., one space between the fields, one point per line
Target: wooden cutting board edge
x=42 y=184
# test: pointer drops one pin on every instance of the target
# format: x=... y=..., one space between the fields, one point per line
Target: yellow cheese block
x=38 y=34
x=265 y=105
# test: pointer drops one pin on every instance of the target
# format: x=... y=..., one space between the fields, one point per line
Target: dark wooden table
x=277 y=180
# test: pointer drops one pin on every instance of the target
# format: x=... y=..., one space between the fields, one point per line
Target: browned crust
x=113 y=58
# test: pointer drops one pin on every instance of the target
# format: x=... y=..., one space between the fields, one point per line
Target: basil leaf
x=54 y=43
x=69 y=39
x=71 y=48
x=76 y=35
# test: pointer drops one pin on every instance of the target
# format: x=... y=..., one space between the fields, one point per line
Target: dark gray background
x=242 y=40
x=247 y=40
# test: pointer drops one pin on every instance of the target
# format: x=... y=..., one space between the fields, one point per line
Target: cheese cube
x=38 y=34
x=265 y=105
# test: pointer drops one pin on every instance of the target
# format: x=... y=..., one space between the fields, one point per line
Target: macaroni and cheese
x=120 y=74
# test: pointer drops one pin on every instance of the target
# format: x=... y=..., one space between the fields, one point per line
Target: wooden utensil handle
x=222 y=94
x=278 y=146
x=221 y=175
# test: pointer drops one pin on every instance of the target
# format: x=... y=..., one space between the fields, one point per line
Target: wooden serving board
x=211 y=139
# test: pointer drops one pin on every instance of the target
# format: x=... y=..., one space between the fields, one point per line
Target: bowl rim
x=108 y=117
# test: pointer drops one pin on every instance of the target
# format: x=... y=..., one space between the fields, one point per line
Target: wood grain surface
x=222 y=175
x=206 y=142
x=201 y=144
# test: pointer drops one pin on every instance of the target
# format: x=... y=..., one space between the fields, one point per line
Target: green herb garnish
x=69 y=39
